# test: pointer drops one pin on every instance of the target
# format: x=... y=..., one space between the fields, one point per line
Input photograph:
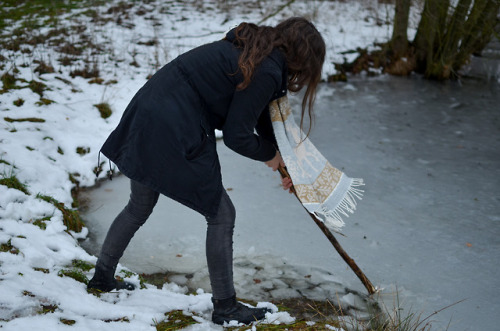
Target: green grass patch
x=67 y=322
x=301 y=325
x=47 y=309
x=71 y=218
x=82 y=150
x=176 y=320
x=156 y=279
x=44 y=102
x=8 y=81
x=37 y=87
x=28 y=294
x=76 y=274
x=83 y=265
x=43 y=68
x=13 y=182
x=87 y=71
x=96 y=80
x=18 y=102
x=127 y=273
x=35 y=12
x=104 y=109
x=74 y=50
x=121 y=319
x=25 y=119
x=75 y=190
x=8 y=248
x=44 y=270
x=40 y=222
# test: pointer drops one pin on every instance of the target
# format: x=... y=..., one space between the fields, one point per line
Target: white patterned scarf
x=325 y=191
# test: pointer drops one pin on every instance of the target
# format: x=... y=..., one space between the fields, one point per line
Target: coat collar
x=278 y=57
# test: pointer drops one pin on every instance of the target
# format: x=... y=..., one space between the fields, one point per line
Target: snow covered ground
x=63 y=137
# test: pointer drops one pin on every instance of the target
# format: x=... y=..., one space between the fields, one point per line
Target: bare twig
x=276 y=12
x=366 y=282
x=440 y=310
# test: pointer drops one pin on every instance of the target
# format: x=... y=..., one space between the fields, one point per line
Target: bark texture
x=399 y=40
x=446 y=36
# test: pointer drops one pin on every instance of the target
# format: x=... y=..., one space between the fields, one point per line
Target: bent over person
x=165 y=141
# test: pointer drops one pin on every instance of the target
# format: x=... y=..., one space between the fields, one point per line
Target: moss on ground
x=18 y=102
x=104 y=109
x=44 y=270
x=37 y=87
x=8 y=248
x=44 y=102
x=13 y=182
x=41 y=222
x=82 y=150
x=71 y=218
x=76 y=274
x=83 y=265
x=8 y=81
x=25 y=119
x=67 y=322
x=47 y=309
x=175 y=320
x=36 y=13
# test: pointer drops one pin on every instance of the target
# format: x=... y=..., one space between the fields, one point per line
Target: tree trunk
x=430 y=33
x=399 y=40
x=446 y=47
x=446 y=37
x=455 y=31
x=479 y=28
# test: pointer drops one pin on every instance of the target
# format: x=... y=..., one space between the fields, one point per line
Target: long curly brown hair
x=300 y=42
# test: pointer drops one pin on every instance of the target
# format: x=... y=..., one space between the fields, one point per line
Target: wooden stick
x=366 y=282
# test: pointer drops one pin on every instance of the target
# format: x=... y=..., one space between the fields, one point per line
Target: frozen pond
x=428 y=226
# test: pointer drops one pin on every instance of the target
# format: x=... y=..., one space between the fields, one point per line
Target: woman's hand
x=287 y=184
x=274 y=163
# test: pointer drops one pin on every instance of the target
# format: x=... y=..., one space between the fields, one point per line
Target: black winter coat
x=165 y=139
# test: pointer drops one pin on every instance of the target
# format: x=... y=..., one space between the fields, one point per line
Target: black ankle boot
x=231 y=310
x=104 y=280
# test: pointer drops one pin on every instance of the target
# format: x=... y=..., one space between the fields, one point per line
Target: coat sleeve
x=244 y=112
x=264 y=127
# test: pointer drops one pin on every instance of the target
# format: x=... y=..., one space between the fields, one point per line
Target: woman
x=165 y=141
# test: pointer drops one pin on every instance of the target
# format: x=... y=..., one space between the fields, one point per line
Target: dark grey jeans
x=219 y=240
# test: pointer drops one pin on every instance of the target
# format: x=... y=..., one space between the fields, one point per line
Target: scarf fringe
x=333 y=218
x=308 y=167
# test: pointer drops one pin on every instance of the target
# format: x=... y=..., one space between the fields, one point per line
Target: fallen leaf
x=468 y=244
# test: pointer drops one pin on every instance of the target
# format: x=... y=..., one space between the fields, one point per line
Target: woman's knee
x=226 y=213
x=142 y=201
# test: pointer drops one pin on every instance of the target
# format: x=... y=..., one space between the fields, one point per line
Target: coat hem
x=202 y=211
